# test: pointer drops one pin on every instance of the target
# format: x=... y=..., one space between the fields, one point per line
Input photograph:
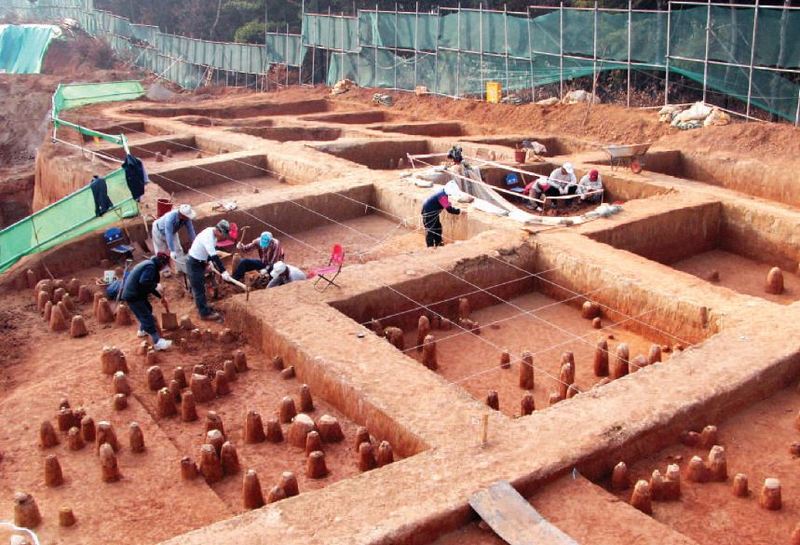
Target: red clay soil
x=472 y=362
x=151 y=502
x=766 y=141
x=756 y=443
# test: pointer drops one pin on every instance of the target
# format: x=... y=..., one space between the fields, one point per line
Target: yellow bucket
x=494 y=91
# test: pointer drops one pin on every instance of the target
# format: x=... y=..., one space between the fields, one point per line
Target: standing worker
x=270 y=252
x=203 y=251
x=431 y=208
x=140 y=283
x=165 y=230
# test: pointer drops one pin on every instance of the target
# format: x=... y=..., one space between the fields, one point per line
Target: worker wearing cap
x=140 y=284
x=203 y=251
x=431 y=209
x=165 y=230
x=283 y=274
x=270 y=251
x=563 y=179
x=590 y=188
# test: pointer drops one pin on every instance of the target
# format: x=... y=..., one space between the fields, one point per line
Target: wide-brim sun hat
x=451 y=188
x=568 y=167
x=187 y=211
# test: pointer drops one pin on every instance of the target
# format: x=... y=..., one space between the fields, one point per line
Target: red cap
x=593 y=174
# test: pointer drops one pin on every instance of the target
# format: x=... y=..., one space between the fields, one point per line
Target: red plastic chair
x=331 y=270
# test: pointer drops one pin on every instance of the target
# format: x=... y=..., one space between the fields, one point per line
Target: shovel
x=169 y=320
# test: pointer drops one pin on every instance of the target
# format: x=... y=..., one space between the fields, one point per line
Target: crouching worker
x=283 y=274
x=203 y=251
x=431 y=209
x=139 y=285
x=270 y=252
x=590 y=188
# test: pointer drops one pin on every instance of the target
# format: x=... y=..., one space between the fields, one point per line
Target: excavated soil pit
x=353 y=118
x=756 y=442
x=204 y=121
x=134 y=130
x=158 y=153
x=748 y=176
x=528 y=320
x=287 y=134
x=235 y=178
x=244 y=109
x=423 y=128
x=384 y=154
x=153 y=478
x=555 y=146
x=706 y=241
x=309 y=226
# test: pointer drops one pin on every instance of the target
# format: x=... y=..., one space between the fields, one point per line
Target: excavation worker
x=590 y=183
x=540 y=187
x=283 y=274
x=563 y=178
x=165 y=230
x=458 y=168
x=140 y=284
x=431 y=208
x=270 y=252
x=203 y=251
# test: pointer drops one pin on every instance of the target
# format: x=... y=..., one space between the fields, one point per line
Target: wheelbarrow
x=631 y=156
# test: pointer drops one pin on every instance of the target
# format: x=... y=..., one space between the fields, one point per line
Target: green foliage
x=251 y=32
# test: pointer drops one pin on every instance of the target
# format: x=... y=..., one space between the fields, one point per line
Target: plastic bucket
x=494 y=91
x=162 y=207
x=519 y=155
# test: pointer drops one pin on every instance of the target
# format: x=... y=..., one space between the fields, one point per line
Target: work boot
x=162 y=344
x=213 y=317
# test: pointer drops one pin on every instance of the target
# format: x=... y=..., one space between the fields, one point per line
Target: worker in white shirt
x=590 y=188
x=203 y=251
x=563 y=179
x=283 y=274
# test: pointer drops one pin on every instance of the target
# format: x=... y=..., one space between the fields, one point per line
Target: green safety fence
x=73 y=95
x=64 y=220
x=454 y=52
x=22 y=47
x=74 y=215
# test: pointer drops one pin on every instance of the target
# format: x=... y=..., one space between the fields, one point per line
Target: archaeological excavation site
x=611 y=367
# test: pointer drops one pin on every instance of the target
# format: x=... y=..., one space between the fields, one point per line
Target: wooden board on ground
x=514 y=519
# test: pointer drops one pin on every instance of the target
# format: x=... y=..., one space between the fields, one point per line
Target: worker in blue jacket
x=141 y=283
x=431 y=209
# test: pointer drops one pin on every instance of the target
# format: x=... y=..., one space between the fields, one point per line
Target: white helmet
x=187 y=211
x=451 y=188
x=568 y=168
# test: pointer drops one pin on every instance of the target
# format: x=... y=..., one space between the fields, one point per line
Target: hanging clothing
x=102 y=203
x=135 y=176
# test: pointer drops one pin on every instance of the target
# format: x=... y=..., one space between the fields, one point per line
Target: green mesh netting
x=74 y=95
x=519 y=51
x=64 y=220
x=22 y=47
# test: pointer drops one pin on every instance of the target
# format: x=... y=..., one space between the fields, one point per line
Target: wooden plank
x=514 y=519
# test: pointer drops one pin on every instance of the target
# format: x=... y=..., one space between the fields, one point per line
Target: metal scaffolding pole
x=377 y=25
x=530 y=57
x=416 y=41
x=300 y=53
x=561 y=50
x=286 y=54
x=328 y=49
x=458 y=51
x=342 y=75
x=752 y=58
x=594 y=51
x=630 y=20
x=505 y=29
x=396 y=61
x=436 y=59
x=480 y=42
x=666 y=58
x=708 y=43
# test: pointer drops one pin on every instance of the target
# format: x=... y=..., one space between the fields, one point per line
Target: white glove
x=173 y=255
x=263 y=272
x=226 y=276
